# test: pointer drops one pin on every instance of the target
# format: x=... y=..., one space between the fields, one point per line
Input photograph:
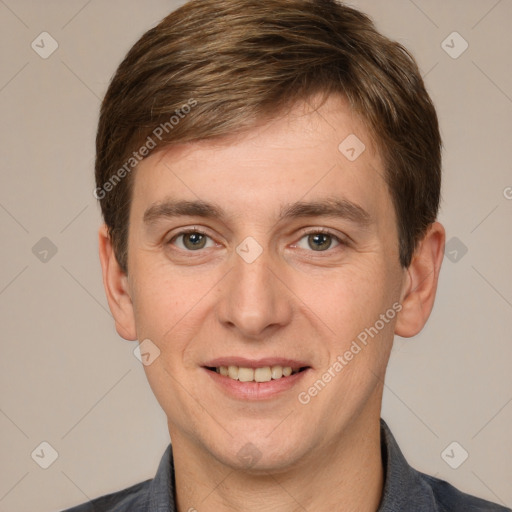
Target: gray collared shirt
x=405 y=489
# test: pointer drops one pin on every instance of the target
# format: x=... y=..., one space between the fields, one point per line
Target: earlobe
x=420 y=285
x=115 y=282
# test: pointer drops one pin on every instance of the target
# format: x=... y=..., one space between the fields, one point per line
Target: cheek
x=346 y=299
x=349 y=304
x=170 y=307
x=158 y=301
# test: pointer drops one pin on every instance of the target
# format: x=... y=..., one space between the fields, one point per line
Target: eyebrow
x=341 y=208
x=170 y=208
x=330 y=207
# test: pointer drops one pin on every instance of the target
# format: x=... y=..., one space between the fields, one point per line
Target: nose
x=253 y=300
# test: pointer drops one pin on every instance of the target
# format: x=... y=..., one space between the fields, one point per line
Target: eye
x=192 y=240
x=319 y=241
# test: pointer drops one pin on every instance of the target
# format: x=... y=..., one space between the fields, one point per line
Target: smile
x=261 y=374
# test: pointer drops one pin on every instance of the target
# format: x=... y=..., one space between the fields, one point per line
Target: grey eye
x=318 y=242
x=192 y=241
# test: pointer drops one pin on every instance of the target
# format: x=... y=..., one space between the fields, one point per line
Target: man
x=269 y=175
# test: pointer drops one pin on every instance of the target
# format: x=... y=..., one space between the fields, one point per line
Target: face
x=273 y=249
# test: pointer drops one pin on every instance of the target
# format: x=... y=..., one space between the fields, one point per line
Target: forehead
x=309 y=153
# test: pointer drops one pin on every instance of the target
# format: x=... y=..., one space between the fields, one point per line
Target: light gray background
x=68 y=379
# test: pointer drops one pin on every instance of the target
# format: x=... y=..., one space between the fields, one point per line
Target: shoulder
x=155 y=494
x=450 y=499
x=407 y=489
x=131 y=498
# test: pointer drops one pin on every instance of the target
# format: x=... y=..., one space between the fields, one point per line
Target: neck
x=346 y=476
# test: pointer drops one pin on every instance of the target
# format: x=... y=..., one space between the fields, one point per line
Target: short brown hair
x=235 y=62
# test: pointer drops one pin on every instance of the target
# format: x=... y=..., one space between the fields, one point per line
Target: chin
x=260 y=455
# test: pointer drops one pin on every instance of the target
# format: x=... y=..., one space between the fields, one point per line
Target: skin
x=293 y=301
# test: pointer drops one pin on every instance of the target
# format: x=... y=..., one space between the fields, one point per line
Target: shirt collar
x=404 y=489
x=161 y=496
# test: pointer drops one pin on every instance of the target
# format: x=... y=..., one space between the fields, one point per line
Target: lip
x=255 y=391
x=255 y=363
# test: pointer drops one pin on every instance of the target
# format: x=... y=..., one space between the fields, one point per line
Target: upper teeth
x=263 y=374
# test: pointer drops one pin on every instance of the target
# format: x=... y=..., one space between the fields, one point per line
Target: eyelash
x=321 y=231
x=188 y=232
x=315 y=231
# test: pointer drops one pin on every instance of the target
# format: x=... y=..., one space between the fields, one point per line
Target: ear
x=115 y=282
x=420 y=285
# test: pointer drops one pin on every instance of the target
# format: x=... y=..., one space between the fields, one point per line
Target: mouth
x=257 y=374
x=262 y=379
